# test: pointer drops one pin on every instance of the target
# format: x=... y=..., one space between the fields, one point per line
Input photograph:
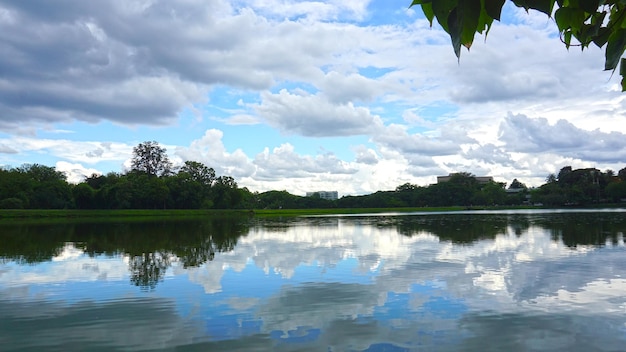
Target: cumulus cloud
x=75 y=173
x=89 y=152
x=283 y=162
x=5 y=149
x=490 y=73
x=349 y=88
x=327 y=69
x=397 y=137
x=490 y=154
x=365 y=155
x=210 y=150
x=92 y=65
x=537 y=135
x=313 y=115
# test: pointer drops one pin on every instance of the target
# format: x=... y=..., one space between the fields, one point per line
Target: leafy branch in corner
x=584 y=20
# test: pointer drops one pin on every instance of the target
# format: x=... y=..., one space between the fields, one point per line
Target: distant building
x=515 y=190
x=330 y=195
x=480 y=179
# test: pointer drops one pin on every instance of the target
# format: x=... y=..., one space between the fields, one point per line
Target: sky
x=302 y=96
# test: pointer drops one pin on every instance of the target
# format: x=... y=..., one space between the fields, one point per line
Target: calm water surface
x=509 y=281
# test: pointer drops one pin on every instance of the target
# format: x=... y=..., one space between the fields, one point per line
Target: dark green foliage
x=517 y=185
x=149 y=245
x=37 y=186
x=587 y=21
x=84 y=196
x=579 y=187
x=151 y=158
x=196 y=186
x=11 y=203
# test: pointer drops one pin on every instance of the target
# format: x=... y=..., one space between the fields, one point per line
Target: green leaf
x=454 y=24
x=615 y=49
x=442 y=10
x=589 y=6
x=577 y=19
x=585 y=34
x=597 y=19
x=484 y=23
x=463 y=23
x=567 y=38
x=470 y=11
x=602 y=37
x=563 y=18
x=544 y=6
x=494 y=8
x=428 y=12
x=521 y=3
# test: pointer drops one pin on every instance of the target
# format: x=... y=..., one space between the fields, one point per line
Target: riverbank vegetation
x=153 y=184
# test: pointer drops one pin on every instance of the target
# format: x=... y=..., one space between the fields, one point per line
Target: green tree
x=616 y=191
x=622 y=174
x=517 y=185
x=151 y=158
x=198 y=172
x=225 y=193
x=601 y=22
x=184 y=193
x=492 y=193
x=84 y=196
x=46 y=188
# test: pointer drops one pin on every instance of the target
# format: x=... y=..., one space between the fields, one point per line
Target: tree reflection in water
x=152 y=246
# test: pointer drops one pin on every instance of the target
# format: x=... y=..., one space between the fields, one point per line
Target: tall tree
x=601 y=22
x=198 y=172
x=622 y=174
x=151 y=158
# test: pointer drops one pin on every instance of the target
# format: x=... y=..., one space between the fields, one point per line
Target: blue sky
x=353 y=96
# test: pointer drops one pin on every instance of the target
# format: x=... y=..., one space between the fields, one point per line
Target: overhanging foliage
x=602 y=23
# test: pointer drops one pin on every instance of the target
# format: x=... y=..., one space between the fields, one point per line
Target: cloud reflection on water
x=355 y=284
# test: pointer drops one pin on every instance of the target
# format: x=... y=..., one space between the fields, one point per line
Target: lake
x=529 y=280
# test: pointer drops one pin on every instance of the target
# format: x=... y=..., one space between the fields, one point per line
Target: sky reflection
x=349 y=284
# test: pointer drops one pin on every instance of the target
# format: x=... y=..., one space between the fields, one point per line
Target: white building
x=330 y=195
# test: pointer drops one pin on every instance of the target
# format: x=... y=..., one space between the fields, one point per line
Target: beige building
x=330 y=195
x=480 y=179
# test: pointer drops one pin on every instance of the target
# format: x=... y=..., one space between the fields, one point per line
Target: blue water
x=421 y=282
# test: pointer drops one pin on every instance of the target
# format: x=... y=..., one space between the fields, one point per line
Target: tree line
x=153 y=183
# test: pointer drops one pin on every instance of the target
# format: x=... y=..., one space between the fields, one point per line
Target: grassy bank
x=54 y=213
x=135 y=213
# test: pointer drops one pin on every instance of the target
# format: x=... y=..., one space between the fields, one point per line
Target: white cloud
x=523 y=134
x=365 y=155
x=75 y=173
x=210 y=151
x=314 y=116
x=342 y=89
x=307 y=69
x=283 y=163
